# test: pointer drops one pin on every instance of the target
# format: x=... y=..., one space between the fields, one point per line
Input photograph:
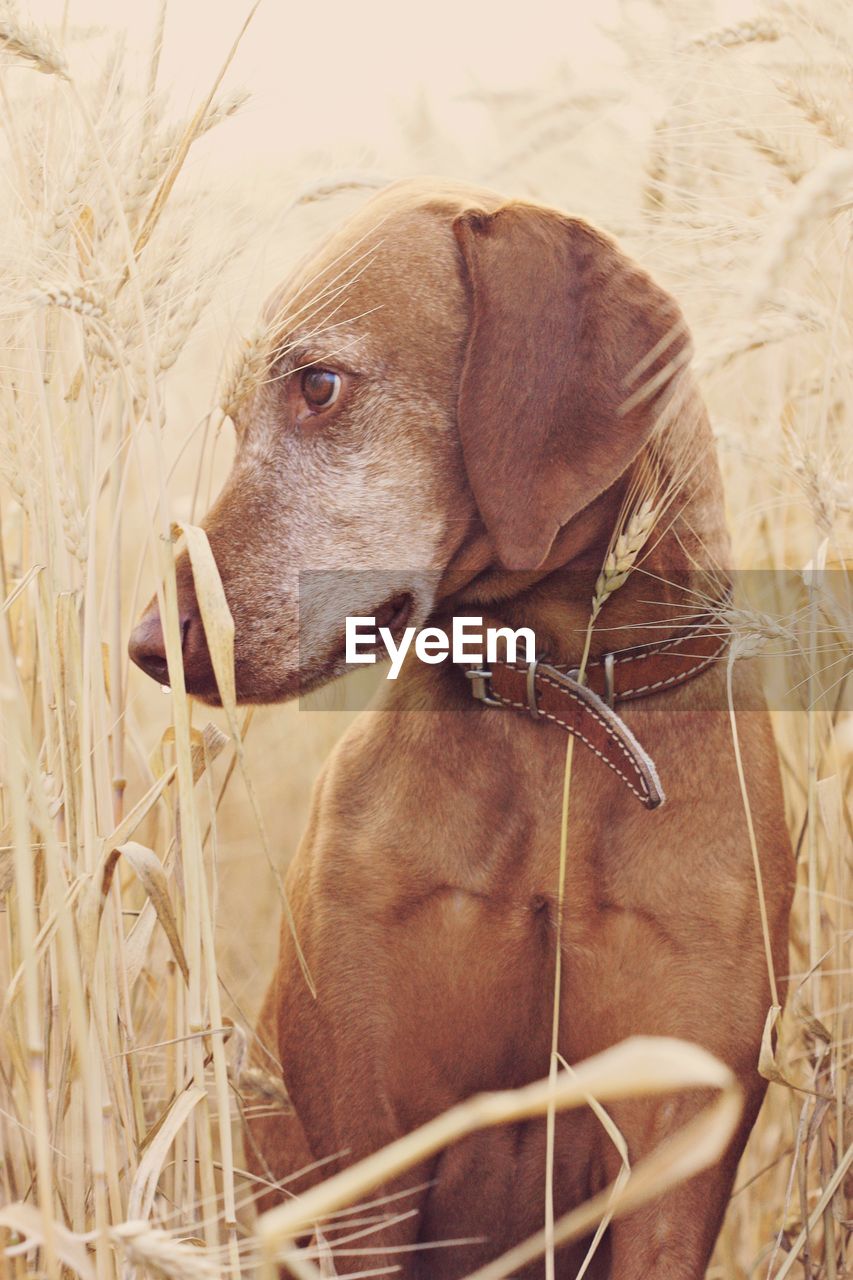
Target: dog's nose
x=147 y=646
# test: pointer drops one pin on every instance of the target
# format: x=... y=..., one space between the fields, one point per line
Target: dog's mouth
x=395 y=613
x=392 y=616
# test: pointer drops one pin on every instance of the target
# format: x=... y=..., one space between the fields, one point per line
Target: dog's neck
x=679 y=569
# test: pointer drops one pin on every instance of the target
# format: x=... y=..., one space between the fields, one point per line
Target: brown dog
x=451 y=400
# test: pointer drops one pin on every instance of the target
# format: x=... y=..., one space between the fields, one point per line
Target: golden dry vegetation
x=139 y=846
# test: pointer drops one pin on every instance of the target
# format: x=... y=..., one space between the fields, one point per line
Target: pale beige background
x=335 y=74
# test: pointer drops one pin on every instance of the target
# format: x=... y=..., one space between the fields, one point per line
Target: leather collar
x=586 y=709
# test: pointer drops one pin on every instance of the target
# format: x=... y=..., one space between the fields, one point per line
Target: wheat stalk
x=656 y=166
x=824 y=483
x=762 y=331
x=750 y=31
x=324 y=188
x=818 y=109
x=30 y=44
x=73 y=402
x=72 y=298
x=159 y=1253
x=775 y=150
x=160 y=148
x=247 y=373
x=815 y=197
x=624 y=552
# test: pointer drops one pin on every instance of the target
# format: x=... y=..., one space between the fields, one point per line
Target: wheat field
x=142 y=837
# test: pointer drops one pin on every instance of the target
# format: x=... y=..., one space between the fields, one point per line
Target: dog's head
x=449 y=368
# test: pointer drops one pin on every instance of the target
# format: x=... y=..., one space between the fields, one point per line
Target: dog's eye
x=320 y=387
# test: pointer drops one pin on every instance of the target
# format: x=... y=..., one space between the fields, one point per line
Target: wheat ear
x=815 y=197
x=623 y=554
x=31 y=45
x=747 y=32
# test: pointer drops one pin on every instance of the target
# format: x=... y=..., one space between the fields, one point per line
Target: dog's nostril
x=158 y=669
x=147 y=648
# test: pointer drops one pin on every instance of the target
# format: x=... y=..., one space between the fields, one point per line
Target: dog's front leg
x=672 y=1238
x=333 y=1067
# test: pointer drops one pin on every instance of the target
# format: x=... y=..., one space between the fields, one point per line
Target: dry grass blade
x=144 y=1185
x=150 y=873
x=26 y=1221
x=194 y=128
x=843 y=1167
x=219 y=632
x=699 y=1144
x=638 y=1067
x=81 y=383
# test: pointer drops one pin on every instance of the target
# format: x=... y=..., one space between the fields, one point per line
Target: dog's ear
x=571 y=352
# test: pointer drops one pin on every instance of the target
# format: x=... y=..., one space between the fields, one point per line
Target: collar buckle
x=480 y=689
